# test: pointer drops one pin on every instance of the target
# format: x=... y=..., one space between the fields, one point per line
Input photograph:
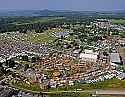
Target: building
x=115 y=58
x=103 y=23
x=121 y=76
x=88 y=57
x=88 y=51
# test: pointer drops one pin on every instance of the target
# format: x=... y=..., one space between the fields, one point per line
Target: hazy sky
x=62 y=4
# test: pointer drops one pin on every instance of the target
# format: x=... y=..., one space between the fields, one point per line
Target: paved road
x=98 y=92
x=110 y=92
x=54 y=92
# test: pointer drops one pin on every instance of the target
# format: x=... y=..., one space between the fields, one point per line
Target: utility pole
x=41 y=94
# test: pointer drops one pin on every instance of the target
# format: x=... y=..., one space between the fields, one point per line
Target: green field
x=37 y=20
x=23 y=85
x=40 y=38
x=108 y=84
x=124 y=50
x=118 y=21
x=114 y=84
x=36 y=89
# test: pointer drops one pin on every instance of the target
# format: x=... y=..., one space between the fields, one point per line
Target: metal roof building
x=115 y=58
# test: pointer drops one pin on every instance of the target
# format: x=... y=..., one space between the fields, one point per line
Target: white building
x=88 y=57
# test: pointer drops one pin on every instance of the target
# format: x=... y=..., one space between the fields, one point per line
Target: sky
x=84 y=5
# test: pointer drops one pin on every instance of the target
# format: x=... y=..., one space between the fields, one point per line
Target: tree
x=33 y=59
x=26 y=67
x=11 y=63
x=7 y=62
x=25 y=58
x=0 y=64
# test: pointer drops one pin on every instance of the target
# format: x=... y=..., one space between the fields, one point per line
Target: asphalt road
x=110 y=92
x=98 y=92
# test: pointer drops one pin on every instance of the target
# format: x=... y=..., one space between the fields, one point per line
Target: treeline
x=39 y=24
x=22 y=24
x=8 y=24
x=24 y=28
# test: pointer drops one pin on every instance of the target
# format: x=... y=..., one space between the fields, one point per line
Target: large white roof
x=89 y=56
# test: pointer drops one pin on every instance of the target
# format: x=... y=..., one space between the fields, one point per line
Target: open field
x=32 y=37
x=113 y=84
x=120 y=21
x=23 y=85
x=36 y=89
x=108 y=84
x=45 y=37
x=37 y=20
x=40 y=38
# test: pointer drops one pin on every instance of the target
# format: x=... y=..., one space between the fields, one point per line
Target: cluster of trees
x=26 y=27
x=8 y=63
x=33 y=58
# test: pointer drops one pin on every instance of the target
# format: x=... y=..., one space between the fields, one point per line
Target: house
x=121 y=76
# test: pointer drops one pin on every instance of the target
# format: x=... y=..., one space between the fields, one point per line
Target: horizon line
x=57 y=10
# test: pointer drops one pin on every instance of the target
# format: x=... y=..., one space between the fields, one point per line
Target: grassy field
x=23 y=85
x=36 y=89
x=114 y=84
x=120 y=21
x=32 y=37
x=124 y=50
x=108 y=84
x=40 y=38
x=45 y=37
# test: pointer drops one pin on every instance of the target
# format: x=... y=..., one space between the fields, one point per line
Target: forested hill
x=119 y=13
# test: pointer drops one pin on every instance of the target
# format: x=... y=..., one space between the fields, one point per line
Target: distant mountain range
x=61 y=13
